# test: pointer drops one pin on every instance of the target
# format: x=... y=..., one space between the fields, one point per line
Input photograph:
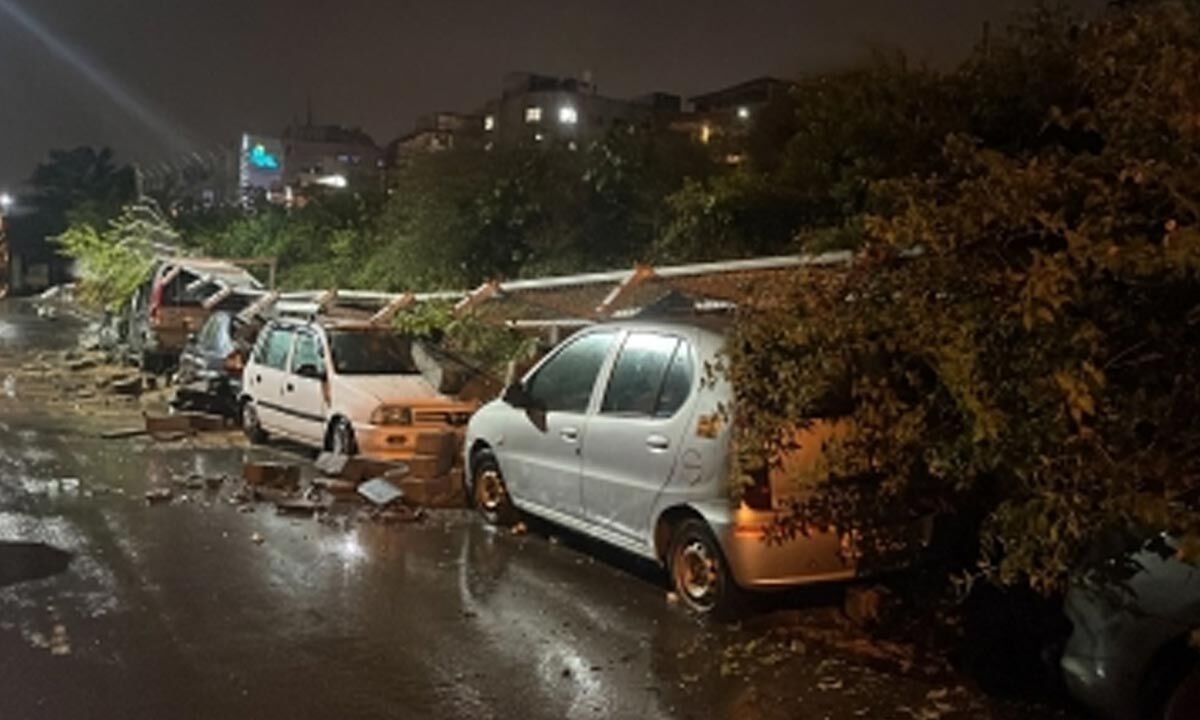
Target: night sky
x=156 y=77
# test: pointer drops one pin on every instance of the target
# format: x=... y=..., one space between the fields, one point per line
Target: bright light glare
x=118 y=92
x=743 y=113
x=568 y=115
x=6 y=201
x=333 y=181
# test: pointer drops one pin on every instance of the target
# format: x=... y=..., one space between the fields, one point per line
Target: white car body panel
x=623 y=480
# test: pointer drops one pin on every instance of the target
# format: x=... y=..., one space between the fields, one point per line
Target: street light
x=6 y=201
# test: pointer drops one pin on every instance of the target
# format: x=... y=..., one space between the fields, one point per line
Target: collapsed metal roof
x=573 y=300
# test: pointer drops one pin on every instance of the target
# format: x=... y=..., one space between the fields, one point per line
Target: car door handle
x=570 y=434
x=258 y=378
x=658 y=443
x=290 y=387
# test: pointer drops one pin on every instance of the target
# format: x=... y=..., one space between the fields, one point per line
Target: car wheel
x=488 y=491
x=250 y=423
x=699 y=574
x=341 y=438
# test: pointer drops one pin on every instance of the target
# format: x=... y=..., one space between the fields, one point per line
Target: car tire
x=1171 y=688
x=489 y=493
x=251 y=426
x=341 y=438
x=699 y=574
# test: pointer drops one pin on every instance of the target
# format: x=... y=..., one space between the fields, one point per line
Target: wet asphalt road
x=173 y=612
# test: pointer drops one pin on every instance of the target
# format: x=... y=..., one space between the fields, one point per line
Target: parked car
x=1130 y=655
x=350 y=387
x=211 y=364
x=619 y=435
x=170 y=307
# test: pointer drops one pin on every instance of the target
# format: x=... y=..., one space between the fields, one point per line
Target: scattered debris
x=519 y=529
x=335 y=486
x=257 y=539
x=272 y=474
x=156 y=496
x=672 y=598
x=300 y=506
x=399 y=514
x=380 y=492
x=124 y=434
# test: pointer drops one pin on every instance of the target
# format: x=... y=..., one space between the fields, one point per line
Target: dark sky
x=154 y=77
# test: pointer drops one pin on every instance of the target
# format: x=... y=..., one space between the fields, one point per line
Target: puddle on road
x=23 y=562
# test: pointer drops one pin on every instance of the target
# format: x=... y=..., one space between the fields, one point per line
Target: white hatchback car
x=619 y=434
x=346 y=387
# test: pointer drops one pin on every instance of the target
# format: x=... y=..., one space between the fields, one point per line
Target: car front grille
x=441 y=417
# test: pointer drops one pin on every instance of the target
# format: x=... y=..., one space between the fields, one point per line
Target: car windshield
x=371 y=352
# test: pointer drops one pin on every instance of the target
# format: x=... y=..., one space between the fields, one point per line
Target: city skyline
x=159 y=81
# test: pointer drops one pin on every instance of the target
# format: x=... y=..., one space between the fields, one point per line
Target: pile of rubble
x=86 y=381
x=344 y=490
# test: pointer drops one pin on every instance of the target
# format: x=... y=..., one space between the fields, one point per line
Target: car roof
x=716 y=329
x=331 y=324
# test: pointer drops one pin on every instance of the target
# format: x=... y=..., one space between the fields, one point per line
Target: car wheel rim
x=341 y=445
x=249 y=419
x=489 y=491
x=696 y=574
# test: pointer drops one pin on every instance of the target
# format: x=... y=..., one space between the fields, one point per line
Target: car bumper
x=759 y=564
x=429 y=451
x=1097 y=683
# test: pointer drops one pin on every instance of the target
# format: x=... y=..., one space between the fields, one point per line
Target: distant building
x=721 y=118
x=535 y=109
x=330 y=156
x=437 y=132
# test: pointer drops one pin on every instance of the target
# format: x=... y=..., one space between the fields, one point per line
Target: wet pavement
x=112 y=608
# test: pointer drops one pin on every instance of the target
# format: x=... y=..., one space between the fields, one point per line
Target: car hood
x=388 y=389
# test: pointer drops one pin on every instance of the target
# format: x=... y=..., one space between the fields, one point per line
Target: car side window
x=565 y=382
x=208 y=334
x=259 y=356
x=308 y=352
x=277 y=347
x=638 y=376
x=677 y=385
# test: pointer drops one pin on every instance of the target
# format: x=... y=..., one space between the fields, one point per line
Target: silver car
x=1130 y=656
x=620 y=435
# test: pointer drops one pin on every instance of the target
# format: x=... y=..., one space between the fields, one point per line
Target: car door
x=266 y=375
x=635 y=435
x=541 y=450
x=304 y=389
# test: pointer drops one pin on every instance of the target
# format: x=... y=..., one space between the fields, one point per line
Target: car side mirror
x=310 y=371
x=517 y=396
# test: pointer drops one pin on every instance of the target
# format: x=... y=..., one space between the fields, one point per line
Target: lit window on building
x=706 y=132
x=568 y=115
x=489 y=123
x=533 y=114
x=743 y=113
x=538 y=137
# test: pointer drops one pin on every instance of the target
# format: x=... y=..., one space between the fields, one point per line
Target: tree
x=1019 y=336
x=113 y=263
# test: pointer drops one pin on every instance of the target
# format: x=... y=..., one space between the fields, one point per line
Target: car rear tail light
x=156 y=300
x=234 y=363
